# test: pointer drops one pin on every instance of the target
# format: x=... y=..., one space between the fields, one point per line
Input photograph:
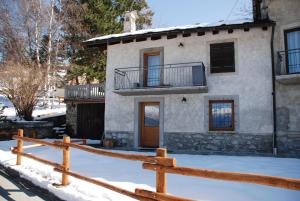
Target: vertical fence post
x=66 y=161
x=20 y=147
x=161 y=181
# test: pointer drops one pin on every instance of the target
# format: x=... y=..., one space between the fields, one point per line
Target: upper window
x=222 y=57
x=221 y=115
x=292 y=46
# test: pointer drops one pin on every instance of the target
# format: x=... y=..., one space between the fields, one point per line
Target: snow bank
x=38 y=113
x=130 y=175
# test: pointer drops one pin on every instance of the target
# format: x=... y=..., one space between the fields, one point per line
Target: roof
x=158 y=32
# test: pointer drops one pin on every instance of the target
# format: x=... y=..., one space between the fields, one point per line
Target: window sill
x=221 y=132
x=221 y=74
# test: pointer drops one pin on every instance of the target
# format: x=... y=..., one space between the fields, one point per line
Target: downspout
x=274 y=93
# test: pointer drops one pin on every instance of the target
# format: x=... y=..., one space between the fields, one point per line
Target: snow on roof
x=157 y=30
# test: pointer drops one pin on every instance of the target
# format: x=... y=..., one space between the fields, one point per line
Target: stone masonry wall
x=44 y=129
x=289 y=144
x=121 y=138
x=225 y=143
x=210 y=143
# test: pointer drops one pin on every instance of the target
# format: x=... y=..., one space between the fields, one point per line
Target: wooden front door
x=152 y=69
x=149 y=124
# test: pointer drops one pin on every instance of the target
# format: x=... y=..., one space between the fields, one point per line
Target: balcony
x=180 y=78
x=85 y=93
x=288 y=67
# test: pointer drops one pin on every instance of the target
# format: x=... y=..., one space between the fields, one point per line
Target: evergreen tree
x=84 y=19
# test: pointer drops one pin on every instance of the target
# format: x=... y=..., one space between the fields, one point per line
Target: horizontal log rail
x=50 y=144
x=102 y=184
x=33 y=146
x=135 y=157
x=159 y=196
x=42 y=145
x=55 y=165
x=160 y=163
x=7 y=133
x=280 y=182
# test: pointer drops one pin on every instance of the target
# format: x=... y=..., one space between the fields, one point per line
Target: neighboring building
x=201 y=88
x=85 y=110
x=286 y=55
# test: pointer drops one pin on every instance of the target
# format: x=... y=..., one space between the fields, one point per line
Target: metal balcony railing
x=288 y=62
x=168 y=75
x=88 y=91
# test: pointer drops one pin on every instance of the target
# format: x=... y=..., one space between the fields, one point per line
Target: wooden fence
x=160 y=163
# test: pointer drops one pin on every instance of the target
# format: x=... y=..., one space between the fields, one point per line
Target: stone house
x=205 y=88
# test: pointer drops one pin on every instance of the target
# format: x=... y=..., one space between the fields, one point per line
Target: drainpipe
x=274 y=94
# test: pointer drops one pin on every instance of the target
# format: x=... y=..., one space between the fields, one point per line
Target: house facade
x=214 y=88
x=202 y=88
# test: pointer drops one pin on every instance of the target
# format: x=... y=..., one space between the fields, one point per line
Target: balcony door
x=149 y=135
x=152 y=69
x=292 y=46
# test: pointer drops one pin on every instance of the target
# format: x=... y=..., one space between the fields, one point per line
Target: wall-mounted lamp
x=183 y=99
x=180 y=45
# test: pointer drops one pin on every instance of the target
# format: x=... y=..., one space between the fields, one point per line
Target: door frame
x=145 y=67
x=142 y=63
x=137 y=118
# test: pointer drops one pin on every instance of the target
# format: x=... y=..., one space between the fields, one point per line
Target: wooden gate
x=90 y=120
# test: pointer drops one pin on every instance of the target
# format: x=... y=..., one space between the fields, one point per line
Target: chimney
x=129 y=21
x=260 y=10
x=256 y=10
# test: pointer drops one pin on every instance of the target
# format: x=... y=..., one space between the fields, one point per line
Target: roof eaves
x=105 y=42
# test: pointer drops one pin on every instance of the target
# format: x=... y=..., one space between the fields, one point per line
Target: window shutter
x=222 y=57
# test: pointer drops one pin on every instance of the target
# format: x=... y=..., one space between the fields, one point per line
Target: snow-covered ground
x=39 y=111
x=129 y=175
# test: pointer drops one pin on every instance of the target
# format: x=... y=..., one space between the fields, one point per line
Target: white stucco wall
x=251 y=82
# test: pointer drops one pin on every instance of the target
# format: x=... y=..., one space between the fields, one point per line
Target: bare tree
x=37 y=19
x=21 y=84
x=31 y=31
x=49 y=83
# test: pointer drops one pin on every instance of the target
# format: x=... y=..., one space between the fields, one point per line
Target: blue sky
x=183 y=12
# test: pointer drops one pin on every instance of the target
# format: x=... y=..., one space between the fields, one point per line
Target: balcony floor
x=288 y=79
x=162 y=91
